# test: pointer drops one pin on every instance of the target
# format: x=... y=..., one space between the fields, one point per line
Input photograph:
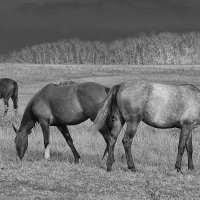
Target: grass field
x=154 y=150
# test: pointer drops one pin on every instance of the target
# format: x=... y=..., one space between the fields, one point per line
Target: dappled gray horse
x=9 y=89
x=61 y=105
x=158 y=105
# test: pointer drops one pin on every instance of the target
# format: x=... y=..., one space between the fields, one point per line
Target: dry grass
x=154 y=150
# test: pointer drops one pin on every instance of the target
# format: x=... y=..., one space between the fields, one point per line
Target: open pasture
x=154 y=150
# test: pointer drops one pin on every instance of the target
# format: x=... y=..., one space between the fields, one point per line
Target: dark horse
x=9 y=89
x=61 y=105
x=158 y=105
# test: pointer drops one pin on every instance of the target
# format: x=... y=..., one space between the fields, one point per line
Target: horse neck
x=27 y=122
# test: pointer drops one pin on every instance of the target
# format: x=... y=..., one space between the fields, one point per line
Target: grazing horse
x=158 y=105
x=9 y=89
x=67 y=82
x=61 y=105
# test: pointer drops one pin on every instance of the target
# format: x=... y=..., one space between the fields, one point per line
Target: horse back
x=59 y=104
x=159 y=105
x=175 y=104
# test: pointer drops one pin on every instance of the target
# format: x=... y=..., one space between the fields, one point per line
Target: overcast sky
x=27 y=22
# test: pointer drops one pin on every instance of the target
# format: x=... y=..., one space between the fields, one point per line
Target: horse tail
x=105 y=109
x=15 y=95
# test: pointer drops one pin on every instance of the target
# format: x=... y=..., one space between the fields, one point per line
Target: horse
x=67 y=82
x=158 y=105
x=60 y=106
x=9 y=89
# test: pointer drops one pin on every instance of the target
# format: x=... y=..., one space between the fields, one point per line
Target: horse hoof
x=178 y=168
x=179 y=171
x=76 y=161
x=109 y=169
x=2 y=167
x=133 y=169
x=191 y=168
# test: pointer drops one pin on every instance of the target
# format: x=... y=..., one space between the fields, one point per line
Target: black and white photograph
x=99 y=99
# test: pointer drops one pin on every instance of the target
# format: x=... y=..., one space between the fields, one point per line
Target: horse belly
x=66 y=112
x=161 y=122
x=161 y=114
x=71 y=118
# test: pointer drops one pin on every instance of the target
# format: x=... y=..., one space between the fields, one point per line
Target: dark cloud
x=26 y=22
x=48 y=7
x=56 y=6
x=19 y=37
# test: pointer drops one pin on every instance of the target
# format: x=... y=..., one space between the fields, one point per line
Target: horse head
x=21 y=142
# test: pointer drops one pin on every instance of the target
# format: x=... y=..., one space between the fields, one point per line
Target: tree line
x=154 y=48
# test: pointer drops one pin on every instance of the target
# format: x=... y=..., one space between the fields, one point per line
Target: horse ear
x=15 y=129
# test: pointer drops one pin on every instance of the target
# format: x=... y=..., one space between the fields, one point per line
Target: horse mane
x=28 y=114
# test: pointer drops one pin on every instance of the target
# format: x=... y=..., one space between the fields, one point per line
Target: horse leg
x=6 y=106
x=106 y=129
x=106 y=135
x=127 y=142
x=117 y=126
x=189 y=149
x=45 y=129
x=15 y=101
x=186 y=131
x=65 y=132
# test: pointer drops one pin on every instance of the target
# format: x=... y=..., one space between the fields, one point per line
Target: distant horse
x=60 y=105
x=9 y=89
x=158 y=105
x=67 y=82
